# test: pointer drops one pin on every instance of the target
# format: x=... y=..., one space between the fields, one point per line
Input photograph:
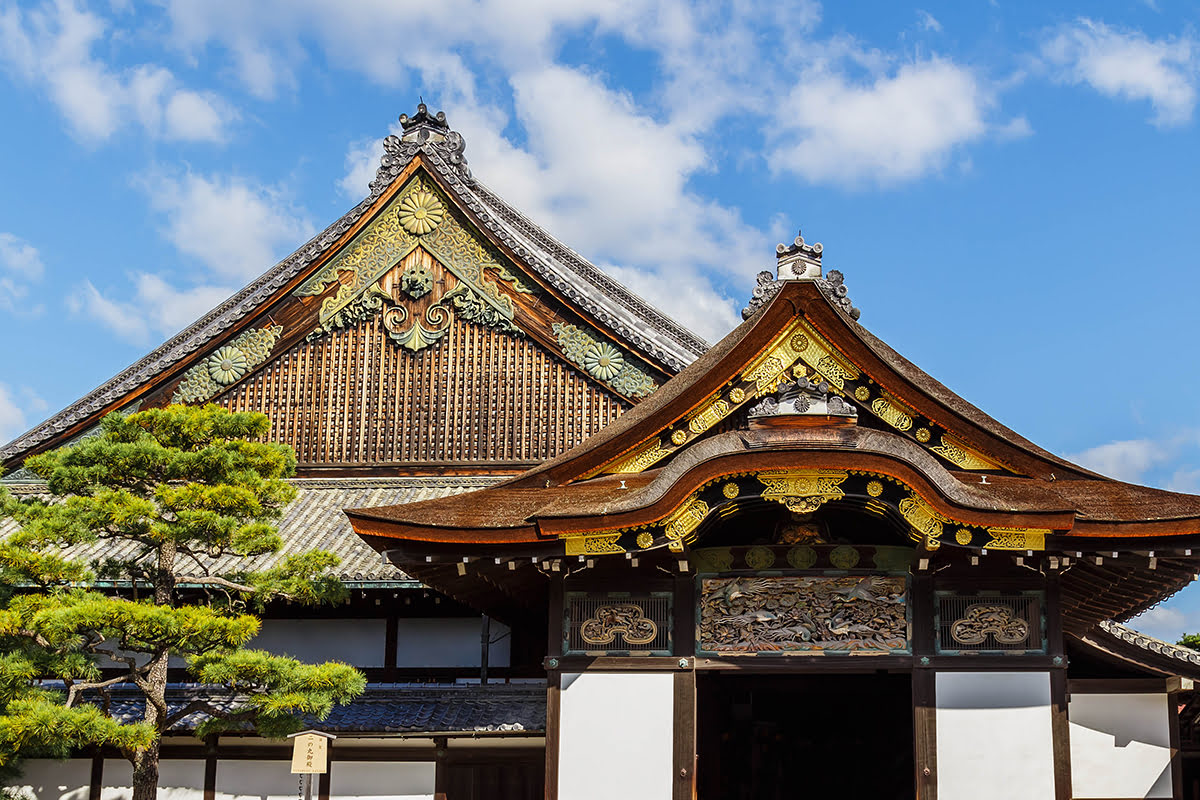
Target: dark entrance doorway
x=770 y=737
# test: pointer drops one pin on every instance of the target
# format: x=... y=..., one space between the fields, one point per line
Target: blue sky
x=1010 y=188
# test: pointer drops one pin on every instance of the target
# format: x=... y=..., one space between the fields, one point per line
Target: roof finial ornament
x=798 y=260
x=429 y=134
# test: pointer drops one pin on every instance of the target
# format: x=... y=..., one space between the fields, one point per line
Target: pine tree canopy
x=173 y=500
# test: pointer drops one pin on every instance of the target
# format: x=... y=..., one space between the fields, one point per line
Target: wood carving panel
x=803 y=614
x=352 y=397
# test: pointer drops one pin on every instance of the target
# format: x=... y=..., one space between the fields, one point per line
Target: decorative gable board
x=419 y=342
x=353 y=396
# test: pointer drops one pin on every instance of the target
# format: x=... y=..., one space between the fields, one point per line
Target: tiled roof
x=1140 y=640
x=315 y=520
x=390 y=708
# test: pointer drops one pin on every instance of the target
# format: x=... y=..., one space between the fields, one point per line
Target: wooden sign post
x=310 y=756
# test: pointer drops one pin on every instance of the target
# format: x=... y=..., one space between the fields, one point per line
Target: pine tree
x=173 y=493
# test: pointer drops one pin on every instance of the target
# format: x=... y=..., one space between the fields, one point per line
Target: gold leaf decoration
x=421 y=212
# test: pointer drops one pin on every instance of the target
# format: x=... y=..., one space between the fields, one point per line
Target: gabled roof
x=872 y=428
x=590 y=298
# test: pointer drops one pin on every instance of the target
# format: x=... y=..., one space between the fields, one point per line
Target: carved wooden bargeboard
x=814 y=615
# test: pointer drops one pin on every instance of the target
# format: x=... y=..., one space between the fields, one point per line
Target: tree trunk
x=145 y=762
x=145 y=773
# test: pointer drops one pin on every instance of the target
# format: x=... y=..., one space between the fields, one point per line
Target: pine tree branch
x=204 y=706
x=77 y=688
x=212 y=580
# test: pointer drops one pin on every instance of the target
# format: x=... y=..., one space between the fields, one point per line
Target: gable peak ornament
x=800 y=261
x=424 y=133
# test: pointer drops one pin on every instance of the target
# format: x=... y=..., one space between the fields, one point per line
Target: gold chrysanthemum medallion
x=421 y=212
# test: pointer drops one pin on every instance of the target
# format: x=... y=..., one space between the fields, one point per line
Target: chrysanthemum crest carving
x=603 y=361
x=417 y=307
x=420 y=212
x=227 y=365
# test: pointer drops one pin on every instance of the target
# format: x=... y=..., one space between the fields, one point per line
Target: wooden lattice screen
x=354 y=397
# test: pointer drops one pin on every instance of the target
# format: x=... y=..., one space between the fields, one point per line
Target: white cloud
x=1127 y=460
x=362 y=162
x=20 y=265
x=19 y=407
x=1167 y=622
x=51 y=46
x=1015 y=128
x=1128 y=65
x=892 y=129
x=235 y=227
x=13 y=421
x=157 y=310
x=928 y=22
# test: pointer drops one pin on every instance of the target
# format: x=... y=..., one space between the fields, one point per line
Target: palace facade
x=591 y=556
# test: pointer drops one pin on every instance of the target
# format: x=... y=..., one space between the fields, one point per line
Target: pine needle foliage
x=182 y=495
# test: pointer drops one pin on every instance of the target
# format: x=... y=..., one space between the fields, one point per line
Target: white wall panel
x=361 y=642
x=48 y=779
x=258 y=780
x=448 y=642
x=994 y=739
x=375 y=780
x=627 y=717
x=177 y=780
x=1120 y=745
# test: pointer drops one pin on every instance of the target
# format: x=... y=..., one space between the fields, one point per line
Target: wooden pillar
x=391 y=640
x=1176 y=746
x=211 y=754
x=685 y=736
x=324 y=780
x=924 y=693
x=1061 y=731
x=924 y=687
x=553 y=704
x=96 y=784
x=441 y=777
x=554 y=640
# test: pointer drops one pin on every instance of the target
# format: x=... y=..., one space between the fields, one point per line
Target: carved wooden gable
x=421 y=342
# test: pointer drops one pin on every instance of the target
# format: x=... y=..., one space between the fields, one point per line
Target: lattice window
x=990 y=623
x=608 y=623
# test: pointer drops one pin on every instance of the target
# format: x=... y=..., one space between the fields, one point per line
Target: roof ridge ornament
x=800 y=261
x=423 y=133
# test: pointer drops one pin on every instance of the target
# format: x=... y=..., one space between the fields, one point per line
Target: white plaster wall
x=48 y=779
x=448 y=642
x=1120 y=745
x=994 y=739
x=177 y=780
x=258 y=780
x=374 y=780
x=629 y=719
x=361 y=642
